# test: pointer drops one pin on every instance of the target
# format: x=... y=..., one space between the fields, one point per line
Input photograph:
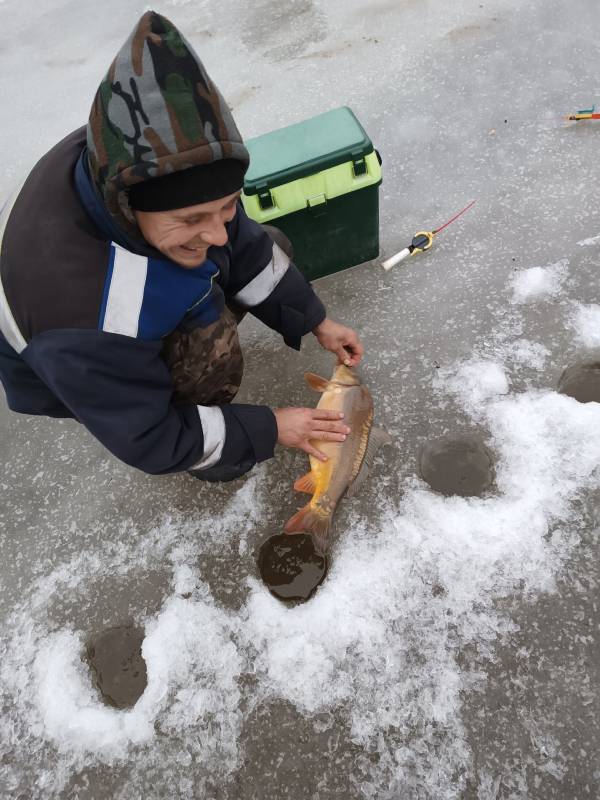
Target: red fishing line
x=456 y=216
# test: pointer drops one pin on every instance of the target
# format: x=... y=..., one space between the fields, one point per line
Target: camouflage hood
x=155 y=112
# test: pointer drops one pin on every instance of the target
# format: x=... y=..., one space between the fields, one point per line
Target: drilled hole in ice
x=290 y=567
x=117 y=666
x=457 y=465
x=581 y=381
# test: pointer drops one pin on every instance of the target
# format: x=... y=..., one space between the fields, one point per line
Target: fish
x=349 y=461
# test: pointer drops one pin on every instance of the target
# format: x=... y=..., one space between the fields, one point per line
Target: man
x=125 y=261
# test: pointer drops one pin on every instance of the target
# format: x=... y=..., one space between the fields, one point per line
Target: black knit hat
x=191 y=186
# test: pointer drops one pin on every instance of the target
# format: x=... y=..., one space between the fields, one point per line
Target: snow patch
x=589 y=242
x=586 y=323
x=527 y=353
x=539 y=283
x=473 y=382
x=72 y=714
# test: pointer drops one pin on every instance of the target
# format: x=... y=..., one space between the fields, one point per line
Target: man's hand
x=342 y=341
x=297 y=426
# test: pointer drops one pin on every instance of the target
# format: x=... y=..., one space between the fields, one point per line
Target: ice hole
x=117 y=665
x=581 y=381
x=290 y=567
x=457 y=464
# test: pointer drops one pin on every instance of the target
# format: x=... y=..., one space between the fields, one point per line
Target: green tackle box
x=318 y=182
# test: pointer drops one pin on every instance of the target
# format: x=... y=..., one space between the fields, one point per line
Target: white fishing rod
x=422 y=240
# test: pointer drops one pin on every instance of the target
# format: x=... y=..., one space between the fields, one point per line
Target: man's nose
x=215 y=233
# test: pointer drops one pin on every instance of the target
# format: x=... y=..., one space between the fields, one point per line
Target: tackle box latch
x=265 y=198
x=317 y=205
x=359 y=165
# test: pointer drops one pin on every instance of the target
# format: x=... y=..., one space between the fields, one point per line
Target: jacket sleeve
x=120 y=389
x=264 y=281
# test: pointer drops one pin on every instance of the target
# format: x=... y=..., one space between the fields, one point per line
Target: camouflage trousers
x=207 y=364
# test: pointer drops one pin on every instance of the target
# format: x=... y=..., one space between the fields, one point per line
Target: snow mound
x=539 y=283
x=586 y=323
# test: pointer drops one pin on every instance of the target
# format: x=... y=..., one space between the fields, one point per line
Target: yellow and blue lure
x=584 y=113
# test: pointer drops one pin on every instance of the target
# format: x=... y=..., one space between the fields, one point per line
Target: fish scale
x=364 y=441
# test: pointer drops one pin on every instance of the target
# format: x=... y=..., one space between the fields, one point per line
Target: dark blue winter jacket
x=84 y=310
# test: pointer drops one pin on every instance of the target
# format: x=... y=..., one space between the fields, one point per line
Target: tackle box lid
x=305 y=148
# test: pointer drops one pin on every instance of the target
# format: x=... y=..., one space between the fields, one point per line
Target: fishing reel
x=421 y=241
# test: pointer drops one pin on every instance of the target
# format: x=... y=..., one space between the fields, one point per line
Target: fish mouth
x=345 y=376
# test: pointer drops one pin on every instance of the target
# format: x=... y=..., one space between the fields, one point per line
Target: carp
x=348 y=462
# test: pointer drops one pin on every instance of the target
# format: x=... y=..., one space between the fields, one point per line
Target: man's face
x=184 y=235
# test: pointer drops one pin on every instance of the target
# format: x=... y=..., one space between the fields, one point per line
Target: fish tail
x=312 y=521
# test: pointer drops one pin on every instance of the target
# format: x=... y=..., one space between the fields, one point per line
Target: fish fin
x=321 y=542
x=307 y=520
x=377 y=438
x=357 y=483
x=306 y=483
x=316 y=382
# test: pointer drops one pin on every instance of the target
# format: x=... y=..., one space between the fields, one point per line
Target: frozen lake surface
x=452 y=651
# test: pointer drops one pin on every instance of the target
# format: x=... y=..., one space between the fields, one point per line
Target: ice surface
x=391 y=678
x=377 y=641
x=192 y=667
x=196 y=676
